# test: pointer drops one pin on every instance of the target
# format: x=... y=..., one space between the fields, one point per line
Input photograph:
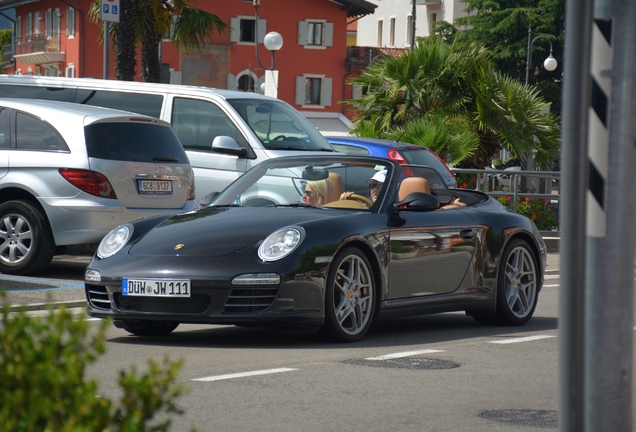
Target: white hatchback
x=69 y=173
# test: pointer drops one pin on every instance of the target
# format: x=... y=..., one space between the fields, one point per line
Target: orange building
x=57 y=37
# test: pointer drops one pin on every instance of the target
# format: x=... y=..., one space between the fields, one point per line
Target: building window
x=51 y=70
x=247 y=30
x=246 y=83
x=380 y=25
x=392 y=32
x=29 y=27
x=18 y=29
x=409 y=29
x=36 y=23
x=313 y=90
x=432 y=17
x=244 y=29
x=70 y=22
x=315 y=34
x=69 y=72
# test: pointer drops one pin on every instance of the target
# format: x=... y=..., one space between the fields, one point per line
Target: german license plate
x=155 y=287
x=154 y=187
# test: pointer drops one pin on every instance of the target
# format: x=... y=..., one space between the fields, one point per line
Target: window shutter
x=231 y=82
x=300 y=90
x=327 y=35
x=356 y=91
x=262 y=30
x=302 y=33
x=325 y=93
x=234 y=32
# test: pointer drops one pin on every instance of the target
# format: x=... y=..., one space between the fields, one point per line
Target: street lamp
x=549 y=64
x=273 y=41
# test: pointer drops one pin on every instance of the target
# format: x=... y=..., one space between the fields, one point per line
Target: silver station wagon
x=69 y=173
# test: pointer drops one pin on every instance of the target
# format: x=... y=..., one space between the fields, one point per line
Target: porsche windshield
x=279 y=126
x=313 y=185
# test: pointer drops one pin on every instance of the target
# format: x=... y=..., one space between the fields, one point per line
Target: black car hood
x=218 y=231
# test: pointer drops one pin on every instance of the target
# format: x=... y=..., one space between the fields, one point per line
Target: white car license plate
x=155 y=187
x=155 y=287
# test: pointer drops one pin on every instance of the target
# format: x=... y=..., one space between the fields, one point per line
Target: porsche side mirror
x=418 y=201
x=227 y=145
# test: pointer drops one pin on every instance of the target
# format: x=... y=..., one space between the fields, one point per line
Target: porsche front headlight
x=114 y=241
x=280 y=243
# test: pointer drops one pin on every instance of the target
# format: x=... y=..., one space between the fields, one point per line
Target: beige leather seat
x=413 y=184
x=338 y=187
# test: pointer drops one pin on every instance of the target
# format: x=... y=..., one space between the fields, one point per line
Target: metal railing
x=537 y=184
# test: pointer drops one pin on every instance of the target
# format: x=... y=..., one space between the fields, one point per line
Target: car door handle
x=467 y=233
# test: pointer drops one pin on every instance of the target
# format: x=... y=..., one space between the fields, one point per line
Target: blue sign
x=109 y=10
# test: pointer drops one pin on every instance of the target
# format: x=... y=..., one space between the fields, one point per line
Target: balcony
x=38 y=49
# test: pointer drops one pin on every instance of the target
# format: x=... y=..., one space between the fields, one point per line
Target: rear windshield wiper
x=164 y=159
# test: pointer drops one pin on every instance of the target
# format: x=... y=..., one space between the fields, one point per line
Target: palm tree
x=147 y=22
x=449 y=98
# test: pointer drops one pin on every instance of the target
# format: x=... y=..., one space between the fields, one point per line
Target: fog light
x=257 y=279
x=91 y=275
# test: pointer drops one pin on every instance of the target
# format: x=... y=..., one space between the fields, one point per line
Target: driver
x=375 y=185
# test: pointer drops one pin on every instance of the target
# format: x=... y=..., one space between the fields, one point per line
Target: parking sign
x=109 y=10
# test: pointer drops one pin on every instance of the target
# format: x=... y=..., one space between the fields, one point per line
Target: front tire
x=517 y=287
x=350 y=297
x=26 y=241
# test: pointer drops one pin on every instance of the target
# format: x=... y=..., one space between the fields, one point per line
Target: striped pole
x=598 y=137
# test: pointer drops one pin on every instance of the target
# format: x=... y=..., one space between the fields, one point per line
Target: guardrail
x=537 y=184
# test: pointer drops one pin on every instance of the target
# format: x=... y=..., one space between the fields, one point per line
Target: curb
x=552 y=244
x=73 y=304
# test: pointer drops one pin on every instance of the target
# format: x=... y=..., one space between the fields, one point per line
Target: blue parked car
x=403 y=153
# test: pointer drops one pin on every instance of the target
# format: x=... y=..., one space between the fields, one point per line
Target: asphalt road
x=432 y=373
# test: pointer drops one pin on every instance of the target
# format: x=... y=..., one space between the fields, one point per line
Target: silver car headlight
x=114 y=241
x=280 y=243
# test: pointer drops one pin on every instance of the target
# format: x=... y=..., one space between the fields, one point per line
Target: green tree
x=146 y=22
x=43 y=362
x=448 y=97
x=502 y=27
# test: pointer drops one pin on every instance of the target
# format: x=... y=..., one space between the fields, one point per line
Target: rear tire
x=148 y=328
x=26 y=242
x=349 y=297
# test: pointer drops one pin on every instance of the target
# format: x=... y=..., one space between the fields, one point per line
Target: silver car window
x=134 y=142
x=34 y=134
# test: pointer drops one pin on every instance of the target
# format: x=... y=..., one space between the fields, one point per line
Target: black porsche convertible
x=329 y=242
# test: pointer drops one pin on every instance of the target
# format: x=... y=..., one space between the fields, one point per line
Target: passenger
x=375 y=185
x=317 y=192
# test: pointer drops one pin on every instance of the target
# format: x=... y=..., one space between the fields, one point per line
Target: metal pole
x=413 y=10
x=529 y=55
x=106 y=49
x=576 y=101
x=610 y=229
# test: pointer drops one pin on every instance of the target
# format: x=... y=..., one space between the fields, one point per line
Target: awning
x=329 y=123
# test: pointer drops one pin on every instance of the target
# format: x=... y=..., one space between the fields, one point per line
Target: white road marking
x=404 y=354
x=244 y=374
x=521 y=339
x=548 y=277
x=551 y=286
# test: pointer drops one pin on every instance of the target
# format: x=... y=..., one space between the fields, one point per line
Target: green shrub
x=43 y=385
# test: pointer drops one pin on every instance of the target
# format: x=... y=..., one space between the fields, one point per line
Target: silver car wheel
x=16 y=238
x=520 y=282
x=353 y=295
